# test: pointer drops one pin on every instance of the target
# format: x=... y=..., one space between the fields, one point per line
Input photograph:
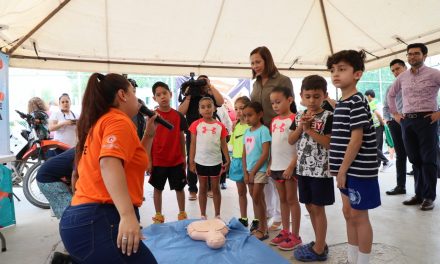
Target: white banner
x=4 y=105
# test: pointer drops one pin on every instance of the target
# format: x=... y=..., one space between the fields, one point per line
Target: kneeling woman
x=102 y=223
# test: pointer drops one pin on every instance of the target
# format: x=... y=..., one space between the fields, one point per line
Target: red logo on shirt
x=205 y=129
x=281 y=128
x=317 y=125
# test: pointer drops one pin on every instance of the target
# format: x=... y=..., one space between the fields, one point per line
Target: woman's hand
x=129 y=234
x=150 y=127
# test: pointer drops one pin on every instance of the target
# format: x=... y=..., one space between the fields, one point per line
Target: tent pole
x=327 y=31
x=400 y=51
x=324 y=16
x=23 y=57
x=38 y=26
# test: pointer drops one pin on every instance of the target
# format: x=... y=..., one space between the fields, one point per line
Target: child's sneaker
x=290 y=243
x=182 y=216
x=307 y=254
x=243 y=221
x=158 y=218
x=283 y=235
x=254 y=225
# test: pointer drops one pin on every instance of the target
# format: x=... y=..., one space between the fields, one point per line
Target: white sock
x=363 y=258
x=352 y=252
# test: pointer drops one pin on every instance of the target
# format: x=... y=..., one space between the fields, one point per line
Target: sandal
x=275 y=226
x=307 y=254
x=260 y=235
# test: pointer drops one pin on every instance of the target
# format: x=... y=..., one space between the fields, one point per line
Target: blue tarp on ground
x=170 y=244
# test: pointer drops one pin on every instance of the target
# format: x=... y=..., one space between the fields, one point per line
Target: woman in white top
x=63 y=122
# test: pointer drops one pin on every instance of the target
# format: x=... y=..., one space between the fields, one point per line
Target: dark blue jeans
x=396 y=134
x=421 y=143
x=89 y=233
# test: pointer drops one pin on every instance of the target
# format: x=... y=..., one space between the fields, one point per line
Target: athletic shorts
x=363 y=193
x=208 y=171
x=278 y=176
x=176 y=177
x=236 y=170
x=316 y=191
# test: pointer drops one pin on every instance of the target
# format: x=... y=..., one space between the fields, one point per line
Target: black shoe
x=411 y=173
x=223 y=186
x=244 y=221
x=396 y=190
x=427 y=205
x=254 y=225
x=413 y=201
x=60 y=258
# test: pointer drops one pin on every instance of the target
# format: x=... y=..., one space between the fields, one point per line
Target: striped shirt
x=350 y=114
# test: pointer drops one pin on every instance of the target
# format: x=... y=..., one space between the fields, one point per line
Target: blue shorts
x=363 y=193
x=236 y=170
x=316 y=191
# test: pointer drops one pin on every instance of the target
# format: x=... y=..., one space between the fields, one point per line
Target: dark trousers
x=421 y=144
x=399 y=147
x=191 y=177
x=89 y=233
x=379 y=140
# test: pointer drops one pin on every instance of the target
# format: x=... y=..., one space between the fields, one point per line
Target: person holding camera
x=63 y=122
x=193 y=91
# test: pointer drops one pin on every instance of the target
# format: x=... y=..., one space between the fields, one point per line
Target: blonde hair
x=36 y=103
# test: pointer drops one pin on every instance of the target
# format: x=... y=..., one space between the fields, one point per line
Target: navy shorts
x=208 y=171
x=317 y=191
x=363 y=193
x=176 y=177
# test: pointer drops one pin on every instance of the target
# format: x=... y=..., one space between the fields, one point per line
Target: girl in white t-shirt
x=63 y=122
x=208 y=141
x=282 y=169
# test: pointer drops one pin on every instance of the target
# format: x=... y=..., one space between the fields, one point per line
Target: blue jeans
x=89 y=233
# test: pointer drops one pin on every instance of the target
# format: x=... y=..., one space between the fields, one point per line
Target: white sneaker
x=386 y=166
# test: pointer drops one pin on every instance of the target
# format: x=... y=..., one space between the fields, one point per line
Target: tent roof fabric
x=171 y=37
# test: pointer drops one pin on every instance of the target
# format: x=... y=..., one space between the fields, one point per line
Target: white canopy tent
x=213 y=37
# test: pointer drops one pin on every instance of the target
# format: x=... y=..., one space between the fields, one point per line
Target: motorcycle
x=32 y=155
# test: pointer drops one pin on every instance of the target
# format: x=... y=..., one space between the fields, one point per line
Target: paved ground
x=402 y=234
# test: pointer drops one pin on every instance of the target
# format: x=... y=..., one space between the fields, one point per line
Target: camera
x=192 y=87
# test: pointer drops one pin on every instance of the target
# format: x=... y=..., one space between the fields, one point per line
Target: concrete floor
x=402 y=234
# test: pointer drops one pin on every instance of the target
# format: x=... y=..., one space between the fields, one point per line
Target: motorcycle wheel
x=31 y=190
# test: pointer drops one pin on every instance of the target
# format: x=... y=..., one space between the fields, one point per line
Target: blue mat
x=170 y=244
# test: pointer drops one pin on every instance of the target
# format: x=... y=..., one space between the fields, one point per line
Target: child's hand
x=149 y=168
x=268 y=171
x=226 y=165
x=288 y=173
x=341 y=179
x=184 y=164
x=192 y=166
x=246 y=177
x=306 y=121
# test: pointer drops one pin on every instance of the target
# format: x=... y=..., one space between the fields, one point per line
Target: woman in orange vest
x=102 y=223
